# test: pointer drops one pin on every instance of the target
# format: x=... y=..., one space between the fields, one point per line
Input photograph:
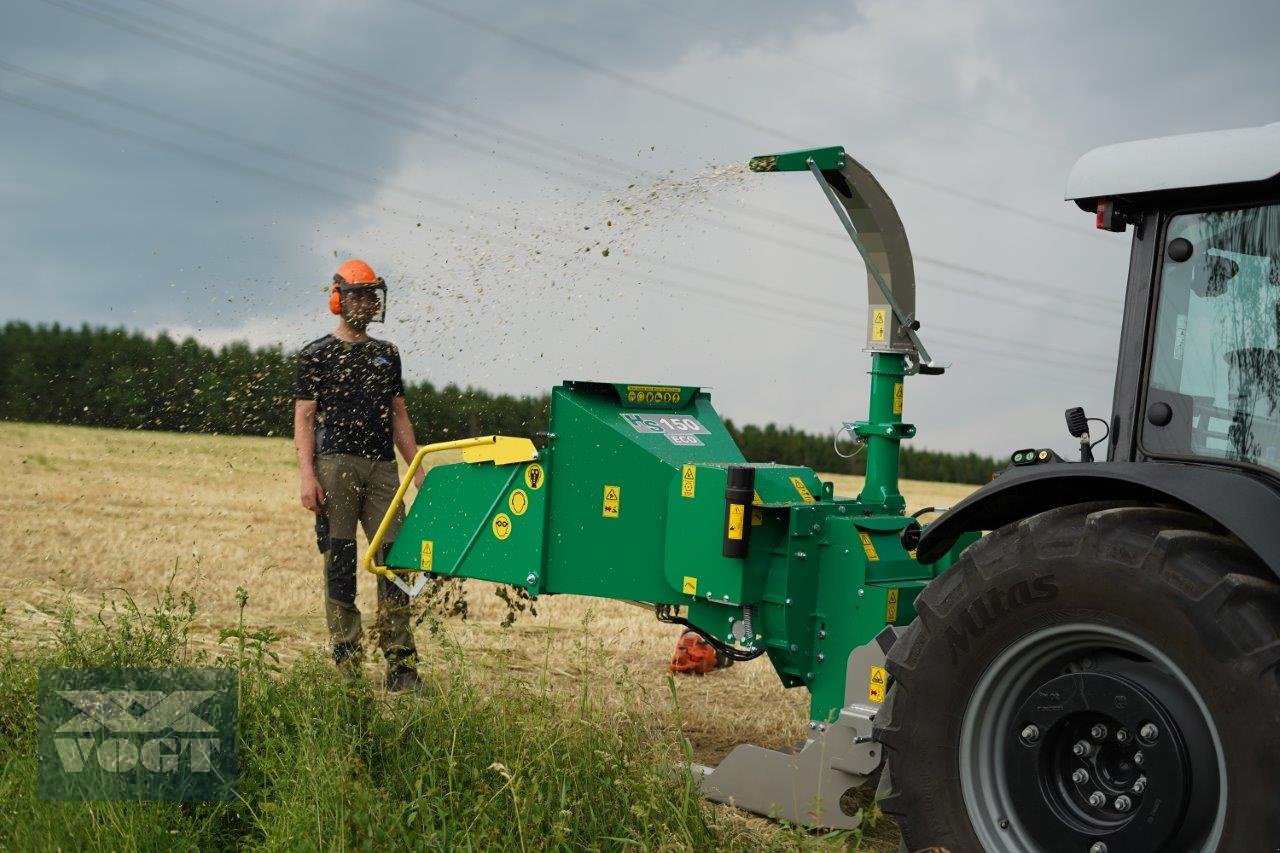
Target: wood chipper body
x=639 y=493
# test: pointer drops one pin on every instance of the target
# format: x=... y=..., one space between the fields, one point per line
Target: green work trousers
x=358 y=491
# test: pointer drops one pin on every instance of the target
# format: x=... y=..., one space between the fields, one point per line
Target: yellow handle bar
x=499 y=449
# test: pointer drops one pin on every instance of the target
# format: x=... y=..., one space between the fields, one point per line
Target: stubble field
x=92 y=514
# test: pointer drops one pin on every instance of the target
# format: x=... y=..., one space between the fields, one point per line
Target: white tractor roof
x=1177 y=162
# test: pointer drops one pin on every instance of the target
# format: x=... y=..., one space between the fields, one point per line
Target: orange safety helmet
x=354 y=275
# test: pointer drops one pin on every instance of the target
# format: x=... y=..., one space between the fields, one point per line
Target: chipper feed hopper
x=639 y=493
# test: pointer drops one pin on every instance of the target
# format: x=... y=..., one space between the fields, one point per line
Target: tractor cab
x=1202 y=323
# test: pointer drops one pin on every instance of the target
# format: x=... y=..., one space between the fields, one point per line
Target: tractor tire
x=1100 y=677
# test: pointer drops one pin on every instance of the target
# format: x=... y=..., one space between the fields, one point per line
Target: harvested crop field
x=93 y=514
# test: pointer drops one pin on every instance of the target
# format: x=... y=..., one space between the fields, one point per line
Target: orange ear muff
x=335 y=295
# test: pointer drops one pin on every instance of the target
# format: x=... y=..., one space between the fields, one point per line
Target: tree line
x=98 y=376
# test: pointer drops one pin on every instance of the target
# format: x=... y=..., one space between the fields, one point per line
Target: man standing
x=349 y=418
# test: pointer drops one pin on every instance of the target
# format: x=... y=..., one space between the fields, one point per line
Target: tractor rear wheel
x=1100 y=677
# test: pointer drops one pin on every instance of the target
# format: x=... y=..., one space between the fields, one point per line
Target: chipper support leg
x=805 y=787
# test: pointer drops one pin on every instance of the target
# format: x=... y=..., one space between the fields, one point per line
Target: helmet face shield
x=363 y=304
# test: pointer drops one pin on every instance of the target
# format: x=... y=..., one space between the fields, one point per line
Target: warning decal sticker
x=534 y=476
x=519 y=501
x=802 y=489
x=737 y=513
x=688 y=480
x=501 y=525
x=897 y=398
x=427 y=549
x=653 y=394
x=879 y=321
x=868 y=547
x=891 y=606
x=690 y=586
x=612 y=501
x=876 y=684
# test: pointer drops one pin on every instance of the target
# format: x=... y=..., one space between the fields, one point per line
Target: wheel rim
x=1050 y=736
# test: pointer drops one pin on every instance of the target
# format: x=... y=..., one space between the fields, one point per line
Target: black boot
x=402 y=677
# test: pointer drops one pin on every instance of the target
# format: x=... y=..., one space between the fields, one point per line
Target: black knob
x=911 y=534
x=1180 y=249
x=1159 y=414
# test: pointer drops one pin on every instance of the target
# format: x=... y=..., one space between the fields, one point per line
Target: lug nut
x=1082 y=749
x=1122 y=736
x=1080 y=776
x=1140 y=785
x=1030 y=734
x=1137 y=758
x=1098 y=847
x=1098 y=732
x=1123 y=803
x=1149 y=732
x=1097 y=799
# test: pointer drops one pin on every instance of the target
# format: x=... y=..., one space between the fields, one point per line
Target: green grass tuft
x=476 y=761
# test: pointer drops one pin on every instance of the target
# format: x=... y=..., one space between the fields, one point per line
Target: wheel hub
x=1097 y=755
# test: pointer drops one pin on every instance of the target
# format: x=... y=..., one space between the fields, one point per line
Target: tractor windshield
x=1215 y=371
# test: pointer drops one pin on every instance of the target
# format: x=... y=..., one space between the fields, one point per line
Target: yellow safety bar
x=498 y=449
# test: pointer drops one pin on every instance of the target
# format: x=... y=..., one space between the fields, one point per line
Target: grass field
x=95 y=513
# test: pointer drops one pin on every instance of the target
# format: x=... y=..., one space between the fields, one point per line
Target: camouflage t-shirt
x=352 y=385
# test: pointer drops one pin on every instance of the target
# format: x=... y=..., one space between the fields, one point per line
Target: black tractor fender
x=1243 y=504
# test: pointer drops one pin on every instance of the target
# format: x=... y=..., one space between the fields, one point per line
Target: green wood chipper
x=637 y=492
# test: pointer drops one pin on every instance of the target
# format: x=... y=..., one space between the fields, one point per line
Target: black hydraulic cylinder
x=739 y=492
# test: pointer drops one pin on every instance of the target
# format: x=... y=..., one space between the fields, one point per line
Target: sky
x=556 y=190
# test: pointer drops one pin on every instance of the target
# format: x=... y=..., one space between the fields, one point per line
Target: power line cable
x=202 y=44
x=323 y=90
x=330 y=64
x=769 y=131
x=722 y=300
x=829 y=69
x=325 y=167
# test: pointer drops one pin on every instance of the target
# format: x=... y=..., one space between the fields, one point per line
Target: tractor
x=1098 y=673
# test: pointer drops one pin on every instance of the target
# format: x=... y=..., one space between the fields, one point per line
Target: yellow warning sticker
x=534 y=476
x=891 y=606
x=688 y=480
x=690 y=586
x=501 y=525
x=802 y=489
x=756 y=499
x=612 y=501
x=912 y=553
x=427 y=549
x=757 y=517
x=868 y=547
x=653 y=394
x=897 y=398
x=876 y=684
x=737 y=512
x=879 y=322
x=519 y=501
